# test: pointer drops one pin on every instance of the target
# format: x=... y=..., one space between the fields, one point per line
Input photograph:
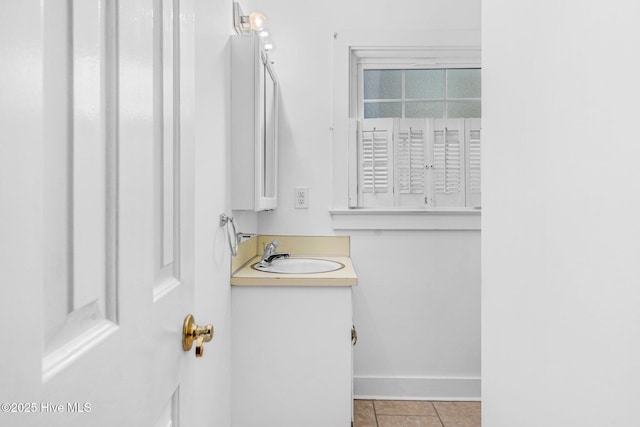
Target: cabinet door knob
x=354 y=335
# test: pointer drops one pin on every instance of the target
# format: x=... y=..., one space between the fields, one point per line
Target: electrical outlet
x=302 y=198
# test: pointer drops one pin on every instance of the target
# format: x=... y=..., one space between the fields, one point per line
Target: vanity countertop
x=331 y=248
x=248 y=276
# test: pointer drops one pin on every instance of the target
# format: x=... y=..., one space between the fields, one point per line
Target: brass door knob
x=192 y=332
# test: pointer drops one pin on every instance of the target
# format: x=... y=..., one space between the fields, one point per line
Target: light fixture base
x=240 y=22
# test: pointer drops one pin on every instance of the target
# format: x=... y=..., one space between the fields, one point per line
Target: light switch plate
x=301 y=198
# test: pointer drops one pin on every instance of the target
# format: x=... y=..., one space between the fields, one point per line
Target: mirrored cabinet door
x=254 y=126
x=270 y=160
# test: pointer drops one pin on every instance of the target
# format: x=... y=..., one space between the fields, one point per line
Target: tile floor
x=405 y=413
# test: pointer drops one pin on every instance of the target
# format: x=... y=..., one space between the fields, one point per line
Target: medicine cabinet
x=254 y=126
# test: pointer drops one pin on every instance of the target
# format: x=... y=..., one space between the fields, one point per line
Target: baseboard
x=415 y=388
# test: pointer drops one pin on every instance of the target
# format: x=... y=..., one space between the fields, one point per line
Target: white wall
x=561 y=236
x=406 y=279
x=417 y=310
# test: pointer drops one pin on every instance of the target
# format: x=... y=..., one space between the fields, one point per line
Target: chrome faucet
x=270 y=253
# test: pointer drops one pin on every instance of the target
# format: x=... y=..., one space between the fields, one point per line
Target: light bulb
x=257 y=21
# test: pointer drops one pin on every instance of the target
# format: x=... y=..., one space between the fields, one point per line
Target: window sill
x=405 y=219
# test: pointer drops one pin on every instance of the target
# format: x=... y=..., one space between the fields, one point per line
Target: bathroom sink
x=300 y=266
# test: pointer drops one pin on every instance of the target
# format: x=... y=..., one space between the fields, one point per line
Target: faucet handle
x=271 y=245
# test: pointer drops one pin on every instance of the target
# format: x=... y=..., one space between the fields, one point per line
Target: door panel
x=167 y=143
x=80 y=302
x=105 y=189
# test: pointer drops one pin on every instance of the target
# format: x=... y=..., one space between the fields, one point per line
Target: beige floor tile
x=404 y=407
x=457 y=408
x=363 y=414
x=408 y=421
x=461 y=422
x=459 y=414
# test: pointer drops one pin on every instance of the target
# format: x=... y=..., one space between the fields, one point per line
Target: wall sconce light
x=253 y=23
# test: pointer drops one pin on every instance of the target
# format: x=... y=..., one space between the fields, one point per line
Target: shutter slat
x=411 y=158
x=447 y=161
x=448 y=152
x=375 y=158
x=474 y=161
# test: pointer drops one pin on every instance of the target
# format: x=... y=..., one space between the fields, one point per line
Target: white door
x=97 y=205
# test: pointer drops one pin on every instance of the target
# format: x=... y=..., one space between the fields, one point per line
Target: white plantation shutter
x=472 y=141
x=448 y=174
x=375 y=156
x=417 y=163
x=410 y=138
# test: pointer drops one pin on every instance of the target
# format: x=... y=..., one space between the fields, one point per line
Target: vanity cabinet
x=254 y=126
x=291 y=356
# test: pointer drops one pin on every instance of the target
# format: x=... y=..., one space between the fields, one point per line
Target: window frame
x=420 y=49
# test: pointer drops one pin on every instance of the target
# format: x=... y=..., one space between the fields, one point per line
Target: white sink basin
x=300 y=266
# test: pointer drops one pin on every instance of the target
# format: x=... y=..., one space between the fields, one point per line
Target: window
x=416 y=137
x=420 y=93
x=420 y=52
